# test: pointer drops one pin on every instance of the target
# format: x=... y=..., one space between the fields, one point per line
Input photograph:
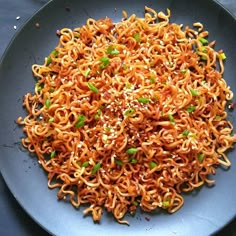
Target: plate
x=205 y=211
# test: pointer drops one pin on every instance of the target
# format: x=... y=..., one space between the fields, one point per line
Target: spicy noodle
x=129 y=114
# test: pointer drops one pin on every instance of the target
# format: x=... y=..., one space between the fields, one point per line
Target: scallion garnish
x=194 y=92
x=96 y=167
x=222 y=56
x=133 y=160
x=85 y=164
x=143 y=100
x=118 y=162
x=152 y=164
x=200 y=157
x=129 y=112
x=165 y=203
x=80 y=121
x=185 y=132
x=203 y=41
x=152 y=80
x=111 y=50
x=49 y=59
x=86 y=72
x=137 y=37
x=105 y=61
x=97 y=116
x=183 y=71
x=92 y=87
x=51 y=119
x=191 y=109
x=47 y=103
x=53 y=154
x=171 y=118
x=131 y=151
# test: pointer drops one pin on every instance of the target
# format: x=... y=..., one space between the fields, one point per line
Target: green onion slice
x=185 y=132
x=191 y=109
x=133 y=160
x=51 y=119
x=194 y=92
x=203 y=41
x=171 y=118
x=96 y=167
x=47 y=103
x=112 y=51
x=80 y=121
x=222 y=56
x=85 y=164
x=152 y=164
x=92 y=87
x=129 y=112
x=53 y=154
x=49 y=59
x=143 y=100
x=118 y=162
x=105 y=61
x=86 y=72
x=131 y=151
x=137 y=37
x=200 y=157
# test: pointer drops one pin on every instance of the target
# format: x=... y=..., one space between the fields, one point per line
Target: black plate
x=205 y=211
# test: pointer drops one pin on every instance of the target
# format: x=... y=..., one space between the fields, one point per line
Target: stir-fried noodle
x=129 y=114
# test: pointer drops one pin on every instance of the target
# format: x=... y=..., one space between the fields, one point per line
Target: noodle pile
x=129 y=114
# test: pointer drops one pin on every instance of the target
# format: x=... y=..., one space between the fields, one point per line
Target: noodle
x=129 y=114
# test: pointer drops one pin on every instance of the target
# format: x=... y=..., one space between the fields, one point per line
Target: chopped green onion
x=152 y=164
x=185 y=132
x=105 y=61
x=38 y=87
x=200 y=157
x=135 y=203
x=118 y=162
x=86 y=72
x=131 y=151
x=112 y=51
x=203 y=41
x=165 y=203
x=80 y=121
x=47 y=103
x=204 y=58
x=92 y=87
x=53 y=154
x=133 y=160
x=85 y=164
x=191 y=109
x=143 y=100
x=129 y=112
x=51 y=119
x=194 y=92
x=128 y=85
x=49 y=59
x=108 y=128
x=96 y=167
x=171 y=118
x=183 y=71
x=217 y=117
x=97 y=116
x=137 y=37
x=152 y=80
x=203 y=49
x=222 y=56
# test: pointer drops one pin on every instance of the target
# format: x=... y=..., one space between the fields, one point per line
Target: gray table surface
x=13 y=219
